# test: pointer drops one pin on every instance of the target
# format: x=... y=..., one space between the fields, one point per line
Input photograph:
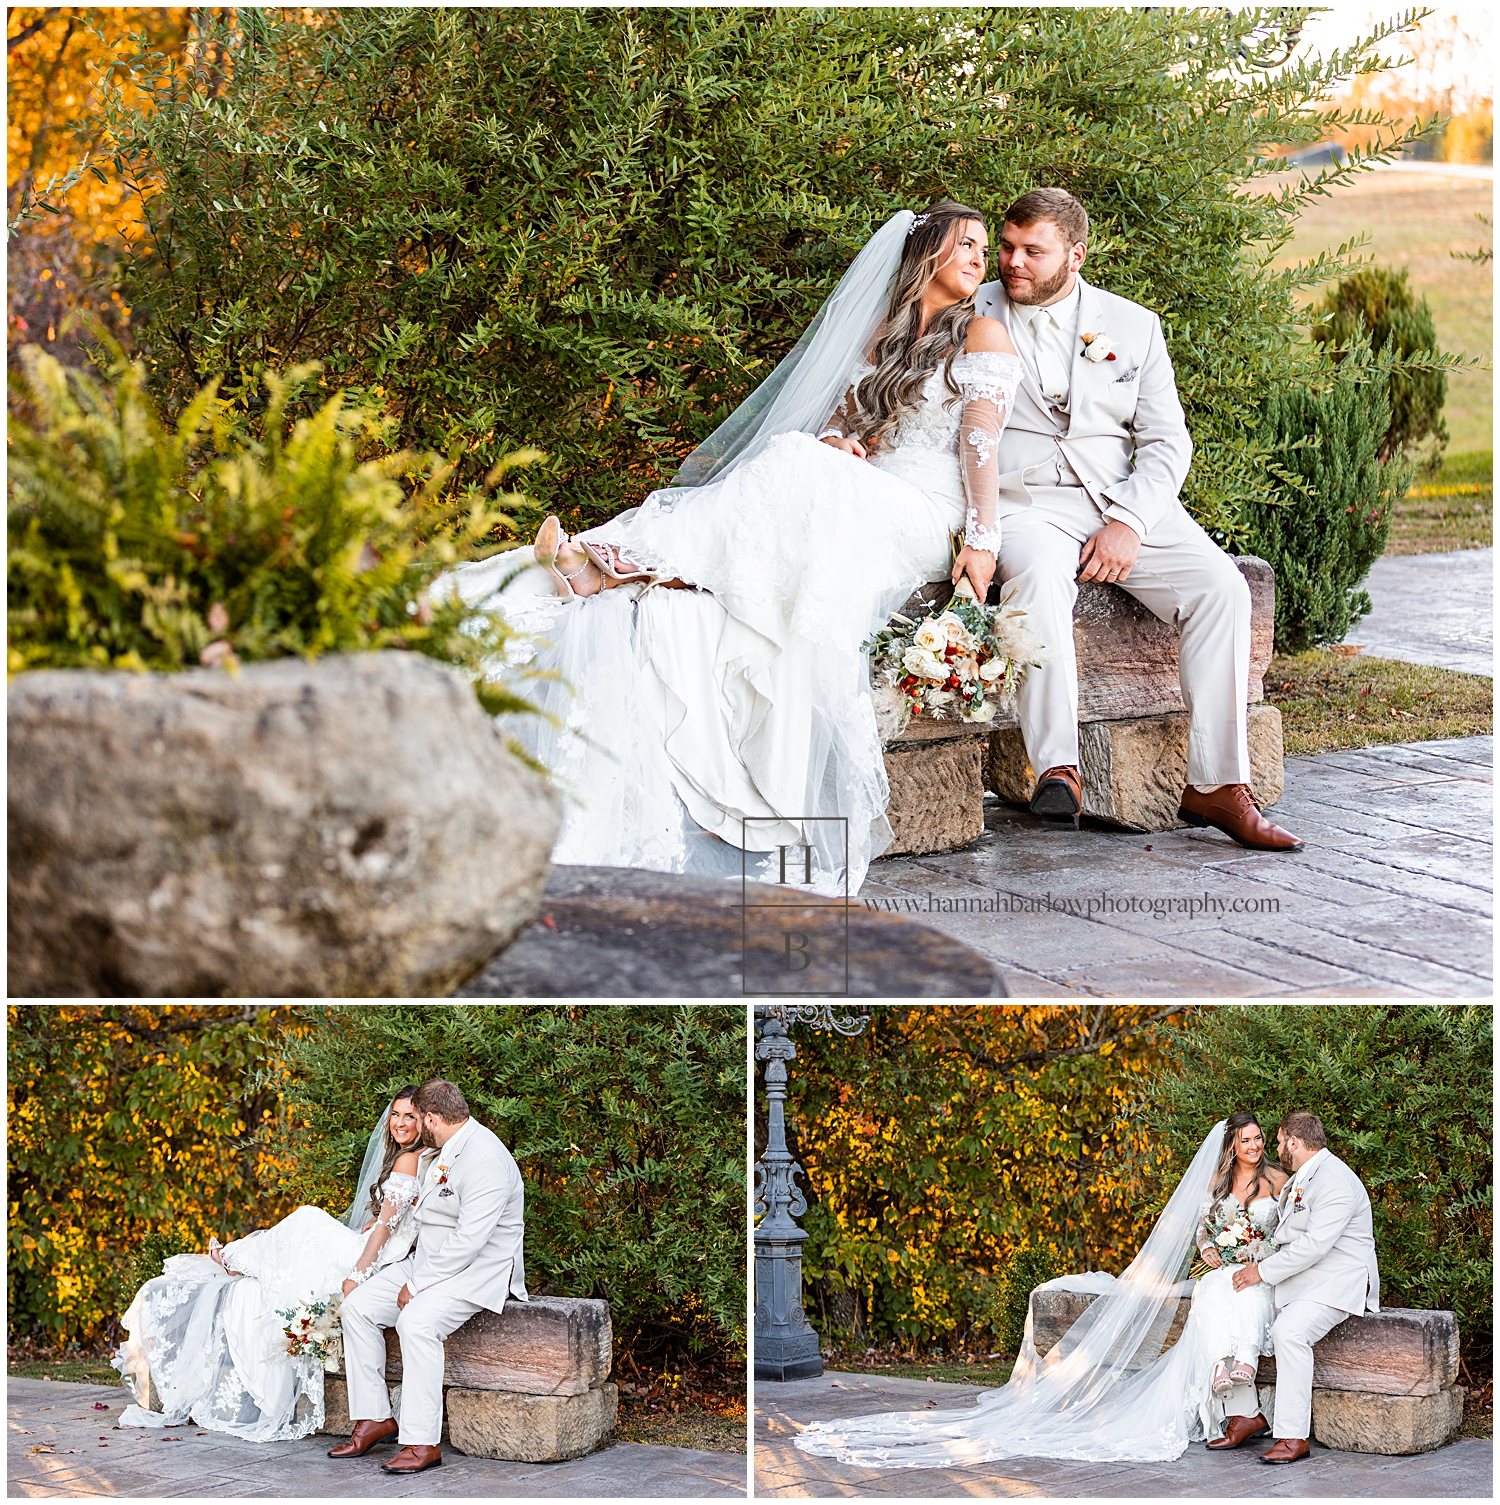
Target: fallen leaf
x=100 y=1406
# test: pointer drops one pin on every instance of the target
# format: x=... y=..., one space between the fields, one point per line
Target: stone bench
x=529 y=1384
x=1382 y=1383
x=1132 y=726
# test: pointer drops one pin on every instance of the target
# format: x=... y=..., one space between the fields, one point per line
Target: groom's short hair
x=1056 y=204
x=1307 y=1128
x=442 y=1098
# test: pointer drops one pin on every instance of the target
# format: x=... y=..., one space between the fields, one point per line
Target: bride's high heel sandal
x=1222 y=1383
x=1242 y=1374
x=608 y=559
x=549 y=544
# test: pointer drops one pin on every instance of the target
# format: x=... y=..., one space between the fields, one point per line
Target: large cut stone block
x=1134 y=771
x=350 y=826
x=550 y=1345
x=937 y=793
x=531 y=1428
x=1359 y=1422
x=1398 y=1351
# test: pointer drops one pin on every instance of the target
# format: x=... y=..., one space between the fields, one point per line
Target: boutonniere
x=442 y=1181
x=1096 y=346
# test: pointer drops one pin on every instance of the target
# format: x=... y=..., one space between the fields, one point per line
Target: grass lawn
x=1415 y=219
x=1453 y=510
x=961 y=1369
x=708 y=1432
x=83 y=1371
x=1331 y=698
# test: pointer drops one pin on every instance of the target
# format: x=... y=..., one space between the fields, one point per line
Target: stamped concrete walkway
x=89 y=1457
x=1432 y=609
x=1463 y=1469
x=1390 y=897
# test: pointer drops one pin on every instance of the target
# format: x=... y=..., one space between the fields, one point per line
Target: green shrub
x=1377 y=305
x=627 y=1121
x=1405 y=1093
x=1029 y=1267
x=594 y=229
x=1333 y=505
x=138 y=545
x=156 y=1248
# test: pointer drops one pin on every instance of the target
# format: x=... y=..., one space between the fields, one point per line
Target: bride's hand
x=1211 y=1256
x=849 y=447
x=350 y=1285
x=979 y=565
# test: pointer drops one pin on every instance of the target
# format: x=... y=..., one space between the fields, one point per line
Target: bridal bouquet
x=313 y=1331
x=1235 y=1234
x=954 y=664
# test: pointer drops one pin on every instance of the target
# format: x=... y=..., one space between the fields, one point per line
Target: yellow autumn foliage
x=950 y=1139
x=129 y=1123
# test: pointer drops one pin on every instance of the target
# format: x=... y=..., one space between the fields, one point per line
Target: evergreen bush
x=628 y=1124
x=1332 y=508
x=1377 y=306
x=139 y=545
x=1405 y=1093
x=1028 y=1268
x=595 y=229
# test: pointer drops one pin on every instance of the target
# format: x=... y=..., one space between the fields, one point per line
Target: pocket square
x=446 y=1192
x=1130 y=375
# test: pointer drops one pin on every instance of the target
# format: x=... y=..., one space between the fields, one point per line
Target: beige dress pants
x=1299 y=1324
x=1181 y=575
x=423 y=1324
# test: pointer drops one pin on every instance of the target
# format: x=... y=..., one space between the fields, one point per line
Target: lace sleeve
x=840 y=424
x=401 y=1193
x=988 y=380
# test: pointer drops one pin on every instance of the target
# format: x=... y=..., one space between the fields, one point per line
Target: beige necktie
x=1051 y=372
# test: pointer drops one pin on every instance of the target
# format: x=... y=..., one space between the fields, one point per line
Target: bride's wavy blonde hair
x=1224 y=1175
x=904 y=356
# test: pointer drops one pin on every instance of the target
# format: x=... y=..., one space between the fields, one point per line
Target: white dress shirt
x=1049 y=343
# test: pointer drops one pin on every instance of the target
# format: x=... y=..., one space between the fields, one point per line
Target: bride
x=206 y=1332
x=1107 y=1392
x=703 y=679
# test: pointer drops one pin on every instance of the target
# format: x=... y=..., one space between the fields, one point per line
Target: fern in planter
x=142 y=546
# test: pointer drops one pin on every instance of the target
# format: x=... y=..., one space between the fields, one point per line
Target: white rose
x=939 y=697
x=992 y=671
x=923 y=665
x=1225 y=1239
x=931 y=636
x=958 y=634
x=982 y=712
x=1098 y=348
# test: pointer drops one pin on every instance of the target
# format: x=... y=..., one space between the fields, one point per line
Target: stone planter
x=351 y=826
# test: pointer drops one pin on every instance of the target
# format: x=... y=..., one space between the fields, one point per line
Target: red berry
x=1110 y=356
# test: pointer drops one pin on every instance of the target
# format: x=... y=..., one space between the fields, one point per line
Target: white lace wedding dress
x=209 y=1339
x=1106 y=1392
x=690 y=721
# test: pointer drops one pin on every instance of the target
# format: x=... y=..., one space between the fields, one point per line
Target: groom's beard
x=1028 y=291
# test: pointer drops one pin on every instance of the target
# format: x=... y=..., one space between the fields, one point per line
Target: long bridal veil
x=1106 y=1392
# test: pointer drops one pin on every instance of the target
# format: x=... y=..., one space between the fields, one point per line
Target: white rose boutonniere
x=1096 y=346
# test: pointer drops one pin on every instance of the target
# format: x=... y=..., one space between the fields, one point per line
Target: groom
x=1323 y=1271
x=1091 y=461
x=467 y=1259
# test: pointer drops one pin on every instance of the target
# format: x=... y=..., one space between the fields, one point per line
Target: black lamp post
x=786 y=1347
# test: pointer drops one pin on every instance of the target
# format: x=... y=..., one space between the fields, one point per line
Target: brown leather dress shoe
x=1059 y=792
x=1240 y=1429
x=367 y=1434
x=1232 y=809
x=414 y=1459
x=1287 y=1450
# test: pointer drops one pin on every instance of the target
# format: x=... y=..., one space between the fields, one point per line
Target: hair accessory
x=917 y=223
